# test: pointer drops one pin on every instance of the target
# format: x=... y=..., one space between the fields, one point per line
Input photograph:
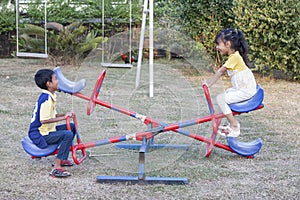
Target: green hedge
x=273 y=32
x=271 y=28
x=201 y=19
x=7 y=18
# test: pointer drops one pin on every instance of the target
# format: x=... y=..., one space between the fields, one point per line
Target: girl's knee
x=220 y=98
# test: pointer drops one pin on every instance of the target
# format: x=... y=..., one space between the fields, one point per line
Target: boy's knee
x=69 y=135
x=72 y=125
x=73 y=128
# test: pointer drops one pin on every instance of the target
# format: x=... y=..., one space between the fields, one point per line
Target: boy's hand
x=70 y=114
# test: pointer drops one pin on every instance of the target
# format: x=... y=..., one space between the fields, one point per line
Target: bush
x=7 y=18
x=199 y=19
x=88 y=12
x=67 y=45
x=272 y=31
x=271 y=28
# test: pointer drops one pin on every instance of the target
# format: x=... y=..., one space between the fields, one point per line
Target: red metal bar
x=215 y=118
x=73 y=148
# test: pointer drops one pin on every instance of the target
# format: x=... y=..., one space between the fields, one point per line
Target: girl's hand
x=204 y=82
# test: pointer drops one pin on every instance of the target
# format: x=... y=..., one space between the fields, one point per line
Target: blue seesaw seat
x=250 y=104
x=247 y=148
x=244 y=148
x=67 y=86
x=35 y=151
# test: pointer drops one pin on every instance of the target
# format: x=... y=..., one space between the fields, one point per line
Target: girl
x=233 y=44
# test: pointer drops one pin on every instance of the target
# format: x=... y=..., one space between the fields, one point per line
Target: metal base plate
x=153 y=146
x=147 y=180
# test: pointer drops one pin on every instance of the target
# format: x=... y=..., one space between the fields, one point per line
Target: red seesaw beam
x=93 y=100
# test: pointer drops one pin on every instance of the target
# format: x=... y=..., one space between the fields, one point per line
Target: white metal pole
x=102 y=50
x=46 y=42
x=141 y=45
x=17 y=24
x=151 y=55
x=130 y=29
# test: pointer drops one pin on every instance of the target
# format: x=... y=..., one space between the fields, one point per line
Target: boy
x=43 y=130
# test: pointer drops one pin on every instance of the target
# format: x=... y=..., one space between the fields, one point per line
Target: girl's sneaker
x=226 y=131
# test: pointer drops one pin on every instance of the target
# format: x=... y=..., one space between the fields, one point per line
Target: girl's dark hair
x=237 y=39
x=42 y=77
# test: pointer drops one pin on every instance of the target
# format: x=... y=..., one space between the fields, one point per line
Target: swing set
x=19 y=52
x=246 y=149
x=110 y=45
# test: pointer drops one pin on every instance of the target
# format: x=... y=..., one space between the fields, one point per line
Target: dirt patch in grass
x=272 y=174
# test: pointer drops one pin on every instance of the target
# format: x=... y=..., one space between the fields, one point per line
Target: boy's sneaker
x=59 y=173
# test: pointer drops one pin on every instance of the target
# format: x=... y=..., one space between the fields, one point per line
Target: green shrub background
x=273 y=31
x=272 y=28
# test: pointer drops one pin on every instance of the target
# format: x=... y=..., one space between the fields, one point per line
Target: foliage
x=66 y=44
x=200 y=19
x=7 y=18
x=88 y=12
x=116 y=16
x=272 y=29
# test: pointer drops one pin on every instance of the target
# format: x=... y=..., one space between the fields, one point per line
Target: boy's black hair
x=237 y=39
x=42 y=77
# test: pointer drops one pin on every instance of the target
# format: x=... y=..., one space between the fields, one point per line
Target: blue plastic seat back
x=244 y=148
x=250 y=104
x=33 y=150
x=66 y=85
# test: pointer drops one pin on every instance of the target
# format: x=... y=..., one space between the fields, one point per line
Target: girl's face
x=223 y=48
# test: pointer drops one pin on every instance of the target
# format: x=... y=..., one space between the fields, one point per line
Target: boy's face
x=53 y=85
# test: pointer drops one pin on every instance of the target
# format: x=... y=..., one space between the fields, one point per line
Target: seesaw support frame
x=252 y=104
x=147 y=136
x=142 y=178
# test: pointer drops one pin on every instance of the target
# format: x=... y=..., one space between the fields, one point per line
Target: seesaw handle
x=208 y=99
x=95 y=93
x=76 y=161
x=215 y=122
x=74 y=148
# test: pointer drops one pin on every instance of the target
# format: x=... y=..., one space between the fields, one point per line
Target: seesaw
x=254 y=103
x=248 y=149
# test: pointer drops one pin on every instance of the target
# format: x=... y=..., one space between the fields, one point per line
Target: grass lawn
x=178 y=96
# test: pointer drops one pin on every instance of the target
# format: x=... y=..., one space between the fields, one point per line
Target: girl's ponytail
x=242 y=46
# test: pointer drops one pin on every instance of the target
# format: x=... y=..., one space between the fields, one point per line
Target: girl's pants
x=230 y=96
x=64 y=137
